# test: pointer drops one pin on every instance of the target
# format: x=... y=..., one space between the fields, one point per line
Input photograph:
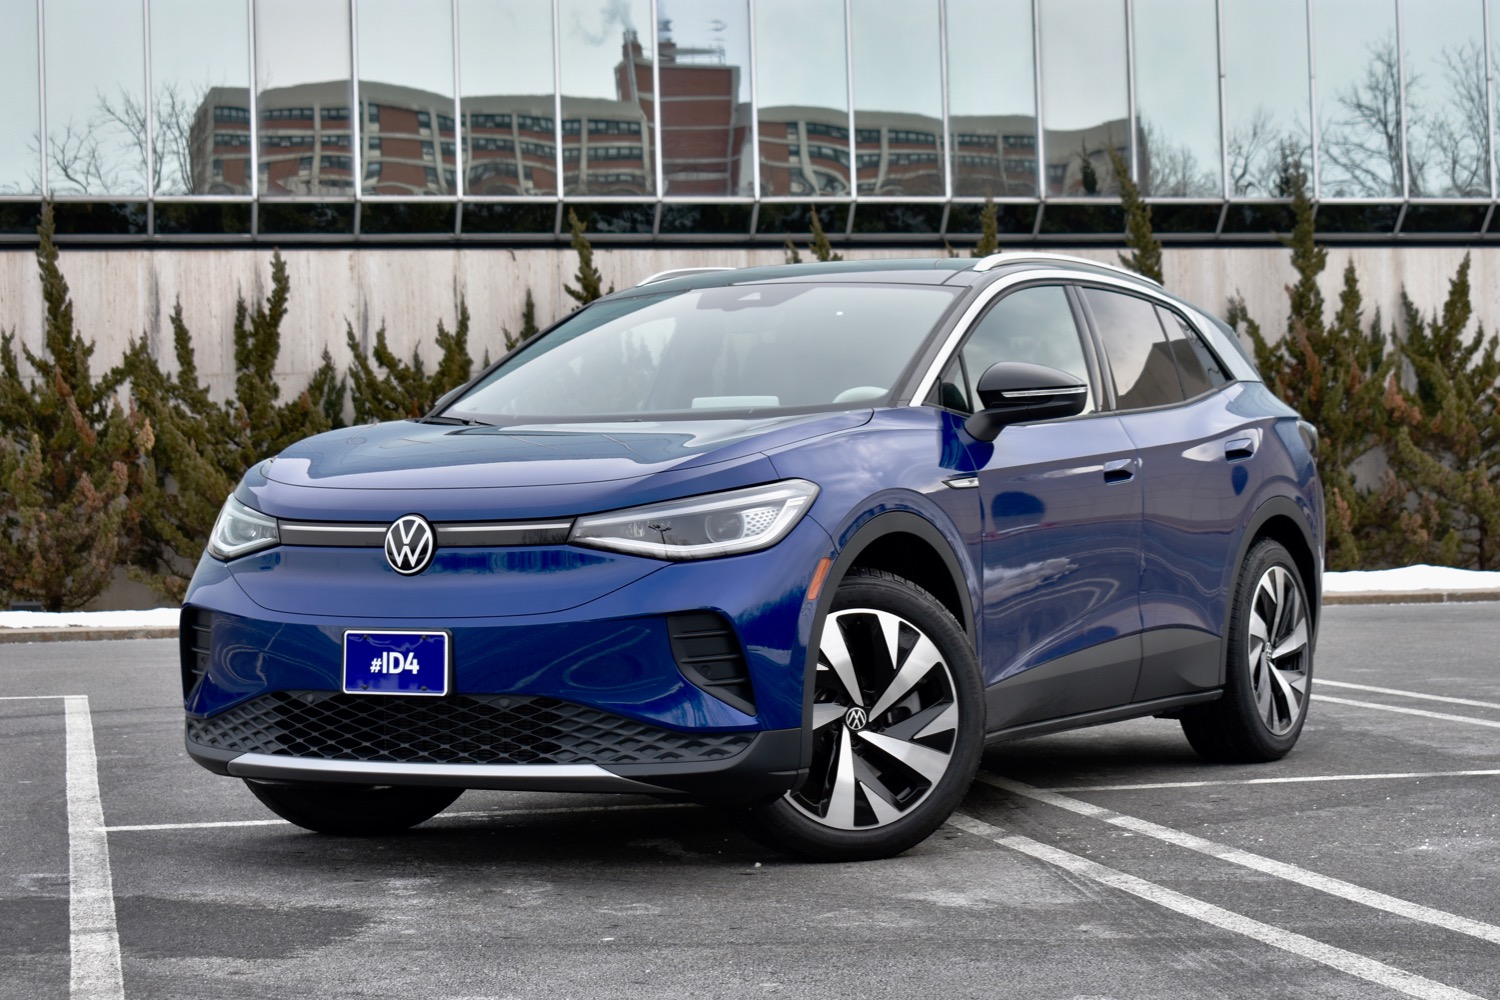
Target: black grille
x=708 y=654
x=195 y=637
x=477 y=729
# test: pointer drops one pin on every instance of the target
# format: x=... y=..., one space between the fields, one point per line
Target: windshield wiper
x=453 y=421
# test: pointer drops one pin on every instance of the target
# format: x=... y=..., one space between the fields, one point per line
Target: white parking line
x=1320 y=682
x=1274 y=781
x=1279 y=869
x=1492 y=723
x=94 y=940
x=468 y=814
x=36 y=697
x=1350 y=962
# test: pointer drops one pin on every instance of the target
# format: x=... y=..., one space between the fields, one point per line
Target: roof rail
x=995 y=260
x=677 y=272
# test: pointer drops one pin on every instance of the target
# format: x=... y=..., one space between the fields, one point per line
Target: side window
x=1199 y=369
x=1034 y=325
x=1140 y=358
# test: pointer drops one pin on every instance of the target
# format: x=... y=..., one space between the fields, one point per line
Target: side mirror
x=1013 y=392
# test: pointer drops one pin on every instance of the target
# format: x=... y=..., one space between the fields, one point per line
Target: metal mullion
x=947 y=140
x=1036 y=101
x=458 y=124
x=41 y=94
x=1489 y=97
x=1401 y=103
x=1312 y=96
x=849 y=81
x=1130 y=88
x=254 y=103
x=356 y=127
x=657 y=113
x=149 y=125
x=754 y=120
x=557 y=123
x=1224 y=191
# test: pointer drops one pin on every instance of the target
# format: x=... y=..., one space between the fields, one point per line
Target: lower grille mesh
x=477 y=729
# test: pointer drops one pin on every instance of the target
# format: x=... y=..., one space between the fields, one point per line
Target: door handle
x=1121 y=470
x=1239 y=449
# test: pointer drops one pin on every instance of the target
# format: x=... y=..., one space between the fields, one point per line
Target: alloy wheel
x=1277 y=655
x=885 y=721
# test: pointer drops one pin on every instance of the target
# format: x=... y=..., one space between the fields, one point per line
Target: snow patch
x=154 y=618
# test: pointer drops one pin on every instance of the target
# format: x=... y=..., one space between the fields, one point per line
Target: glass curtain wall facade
x=733 y=121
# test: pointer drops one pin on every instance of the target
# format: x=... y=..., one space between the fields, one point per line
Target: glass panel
x=992 y=98
x=1265 y=92
x=1468 y=219
x=705 y=219
x=608 y=110
x=302 y=70
x=96 y=81
x=20 y=134
x=1177 y=98
x=200 y=100
x=1198 y=369
x=1140 y=359
x=898 y=99
x=202 y=218
x=508 y=97
x=1446 y=150
x=1359 y=107
x=1084 y=96
x=1034 y=325
x=802 y=85
x=406 y=91
x=705 y=87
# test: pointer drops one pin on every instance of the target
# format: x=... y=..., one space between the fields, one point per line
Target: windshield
x=754 y=347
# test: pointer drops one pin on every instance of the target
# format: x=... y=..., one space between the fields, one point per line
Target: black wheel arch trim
x=1274 y=507
x=857 y=537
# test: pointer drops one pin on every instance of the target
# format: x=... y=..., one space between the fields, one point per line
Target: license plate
x=388 y=662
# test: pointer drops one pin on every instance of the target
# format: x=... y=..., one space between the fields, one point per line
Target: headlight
x=718 y=524
x=240 y=531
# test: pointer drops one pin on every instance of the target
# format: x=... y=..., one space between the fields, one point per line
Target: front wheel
x=352 y=810
x=1268 y=676
x=898 y=725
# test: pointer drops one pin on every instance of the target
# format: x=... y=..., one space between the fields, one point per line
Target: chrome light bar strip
x=469 y=535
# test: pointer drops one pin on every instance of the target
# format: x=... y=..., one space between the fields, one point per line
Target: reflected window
x=200 y=97
x=705 y=86
x=1033 y=325
x=406 y=72
x=1085 y=108
x=508 y=98
x=1141 y=361
x=802 y=86
x=20 y=133
x=96 y=102
x=1265 y=93
x=992 y=98
x=302 y=68
x=1359 y=103
x=1177 y=99
x=1446 y=147
x=898 y=99
x=608 y=107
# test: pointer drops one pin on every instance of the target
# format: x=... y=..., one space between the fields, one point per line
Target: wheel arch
x=1282 y=520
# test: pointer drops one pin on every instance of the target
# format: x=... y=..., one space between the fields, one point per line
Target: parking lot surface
x=1103 y=863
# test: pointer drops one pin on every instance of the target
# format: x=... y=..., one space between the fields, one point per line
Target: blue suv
x=800 y=540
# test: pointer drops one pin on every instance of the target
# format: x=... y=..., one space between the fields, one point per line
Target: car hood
x=407 y=455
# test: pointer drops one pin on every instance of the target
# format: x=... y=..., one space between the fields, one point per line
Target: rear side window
x=1140 y=358
x=1199 y=370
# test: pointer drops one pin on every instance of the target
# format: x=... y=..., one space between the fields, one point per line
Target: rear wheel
x=898 y=726
x=352 y=810
x=1269 y=671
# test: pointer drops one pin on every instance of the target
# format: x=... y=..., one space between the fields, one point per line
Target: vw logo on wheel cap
x=409 y=544
x=856 y=718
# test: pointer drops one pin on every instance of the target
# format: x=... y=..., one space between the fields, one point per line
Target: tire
x=1268 y=673
x=352 y=810
x=898 y=727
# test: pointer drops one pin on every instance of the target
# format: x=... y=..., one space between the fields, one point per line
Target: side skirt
x=1132 y=711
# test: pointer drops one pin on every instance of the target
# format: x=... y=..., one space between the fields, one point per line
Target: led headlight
x=240 y=531
x=718 y=524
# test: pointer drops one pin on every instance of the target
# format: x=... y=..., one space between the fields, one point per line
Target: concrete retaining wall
x=124 y=294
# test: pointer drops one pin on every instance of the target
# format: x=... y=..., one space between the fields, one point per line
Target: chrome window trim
x=1136 y=286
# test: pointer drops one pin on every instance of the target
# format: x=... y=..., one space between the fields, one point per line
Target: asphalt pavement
x=1103 y=863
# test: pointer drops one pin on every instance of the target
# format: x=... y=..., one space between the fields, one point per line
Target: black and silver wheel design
x=897 y=725
x=1268 y=675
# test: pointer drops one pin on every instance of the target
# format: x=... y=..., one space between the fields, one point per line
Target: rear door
x=1197 y=475
x=1061 y=526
